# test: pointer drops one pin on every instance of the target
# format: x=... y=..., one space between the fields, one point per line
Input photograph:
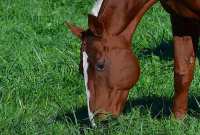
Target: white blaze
x=96 y=7
x=85 y=68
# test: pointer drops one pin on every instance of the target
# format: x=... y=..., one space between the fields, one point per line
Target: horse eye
x=99 y=66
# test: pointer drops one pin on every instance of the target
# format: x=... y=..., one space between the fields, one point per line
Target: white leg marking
x=85 y=68
x=96 y=7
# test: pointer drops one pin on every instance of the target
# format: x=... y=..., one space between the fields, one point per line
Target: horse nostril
x=99 y=66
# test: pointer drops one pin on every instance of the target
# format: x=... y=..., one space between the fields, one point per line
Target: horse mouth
x=100 y=117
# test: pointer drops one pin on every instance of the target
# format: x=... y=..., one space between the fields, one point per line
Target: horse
x=109 y=66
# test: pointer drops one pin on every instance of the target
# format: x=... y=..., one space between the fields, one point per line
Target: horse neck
x=116 y=15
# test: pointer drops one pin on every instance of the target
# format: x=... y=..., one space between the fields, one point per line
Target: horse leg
x=185 y=36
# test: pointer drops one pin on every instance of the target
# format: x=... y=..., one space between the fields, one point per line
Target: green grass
x=42 y=92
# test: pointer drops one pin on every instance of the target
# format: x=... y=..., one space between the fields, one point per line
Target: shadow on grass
x=164 y=50
x=78 y=116
x=159 y=107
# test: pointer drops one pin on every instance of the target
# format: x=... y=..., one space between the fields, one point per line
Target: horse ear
x=94 y=25
x=77 y=31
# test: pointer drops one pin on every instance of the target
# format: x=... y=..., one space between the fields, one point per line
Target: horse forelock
x=96 y=8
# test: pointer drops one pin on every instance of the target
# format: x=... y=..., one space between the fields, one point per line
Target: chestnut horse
x=110 y=67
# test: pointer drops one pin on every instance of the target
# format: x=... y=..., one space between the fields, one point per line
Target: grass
x=42 y=92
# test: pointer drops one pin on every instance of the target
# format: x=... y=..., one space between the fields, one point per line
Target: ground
x=42 y=92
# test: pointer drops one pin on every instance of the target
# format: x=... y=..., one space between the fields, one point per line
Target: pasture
x=42 y=91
